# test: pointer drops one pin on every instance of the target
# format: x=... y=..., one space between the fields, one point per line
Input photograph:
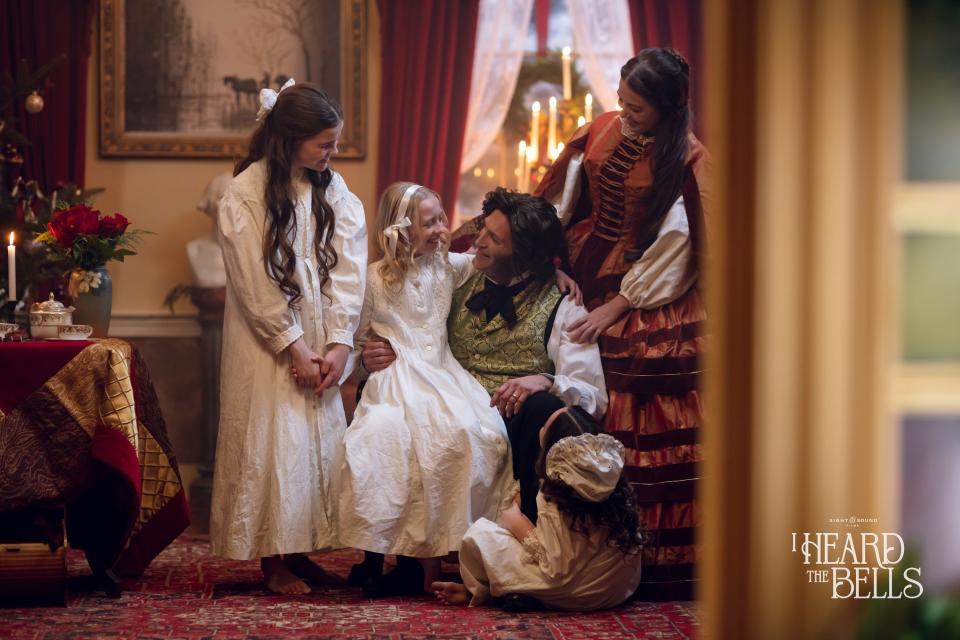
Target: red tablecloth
x=80 y=423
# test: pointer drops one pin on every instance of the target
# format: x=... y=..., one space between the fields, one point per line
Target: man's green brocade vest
x=494 y=353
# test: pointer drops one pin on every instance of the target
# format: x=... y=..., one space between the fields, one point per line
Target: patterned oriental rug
x=187 y=593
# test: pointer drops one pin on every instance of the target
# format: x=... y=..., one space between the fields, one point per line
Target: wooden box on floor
x=33 y=557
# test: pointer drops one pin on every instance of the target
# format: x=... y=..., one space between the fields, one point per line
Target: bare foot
x=451 y=593
x=307 y=569
x=278 y=578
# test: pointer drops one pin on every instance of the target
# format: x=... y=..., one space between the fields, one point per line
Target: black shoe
x=357 y=575
x=518 y=603
x=405 y=580
x=371 y=567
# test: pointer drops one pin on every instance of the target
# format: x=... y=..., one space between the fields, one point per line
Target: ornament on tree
x=34 y=103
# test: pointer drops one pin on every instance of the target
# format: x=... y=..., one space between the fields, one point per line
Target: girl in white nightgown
x=583 y=553
x=426 y=454
x=295 y=250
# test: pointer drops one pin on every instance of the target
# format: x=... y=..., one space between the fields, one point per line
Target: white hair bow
x=398 y=228
x=268 y=98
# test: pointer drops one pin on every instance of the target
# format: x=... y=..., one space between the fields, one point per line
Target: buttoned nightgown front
x=426 y=454
x=280 y=446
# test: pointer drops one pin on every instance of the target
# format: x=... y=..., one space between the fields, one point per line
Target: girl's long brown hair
x=662 y=77
x=301 y=112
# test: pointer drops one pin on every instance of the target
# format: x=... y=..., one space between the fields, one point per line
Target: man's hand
x=568 y=285
x=377 y=354
x=510 y=396
x=589 y=328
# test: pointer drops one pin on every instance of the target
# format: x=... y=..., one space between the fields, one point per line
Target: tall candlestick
x=588 y=106
x=565 y=56
x=12 y=270
x=526 y=172
x=521 y=163
x=552 y=130
x=535 y=130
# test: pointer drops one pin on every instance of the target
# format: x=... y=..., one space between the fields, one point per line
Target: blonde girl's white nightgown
x=426 y=454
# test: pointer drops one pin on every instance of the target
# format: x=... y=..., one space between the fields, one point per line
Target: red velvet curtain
x=677 y=24
x=38 y=31
x=427 y=64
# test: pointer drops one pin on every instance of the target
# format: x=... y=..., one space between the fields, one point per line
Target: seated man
x=509 y=327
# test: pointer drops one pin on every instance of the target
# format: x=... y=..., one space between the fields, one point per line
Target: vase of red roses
x=83 y=240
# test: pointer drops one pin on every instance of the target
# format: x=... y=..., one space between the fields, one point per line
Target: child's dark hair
x=535 y=229
x=302 y=111
x=618 y=512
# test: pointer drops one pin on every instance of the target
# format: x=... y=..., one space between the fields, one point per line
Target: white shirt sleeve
x=572 y=185
x=665 y=271
x=262 y=302
x=463 y=268
x=344 y=289
x=579 y=373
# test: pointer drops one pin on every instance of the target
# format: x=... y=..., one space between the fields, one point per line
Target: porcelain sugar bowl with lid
x=46 y=318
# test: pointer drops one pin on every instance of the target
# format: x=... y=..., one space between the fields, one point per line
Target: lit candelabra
x=563 y=118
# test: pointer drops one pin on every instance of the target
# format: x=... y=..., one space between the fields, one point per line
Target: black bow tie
x=497 y=299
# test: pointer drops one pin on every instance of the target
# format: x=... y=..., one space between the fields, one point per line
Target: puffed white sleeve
x=263 y=304
x=462 y=265
x=549 y=544
x=578 y=372
x=666 y=270
x=344 y=289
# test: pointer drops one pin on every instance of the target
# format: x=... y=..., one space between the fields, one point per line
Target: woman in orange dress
x=628 y=186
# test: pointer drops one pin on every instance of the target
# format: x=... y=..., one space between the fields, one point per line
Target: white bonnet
x=589 y=464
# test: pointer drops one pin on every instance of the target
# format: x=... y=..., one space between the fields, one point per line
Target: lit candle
x=588 y=106
x=521 y=161
x=552 y=131
x=535 y=130
x=559 y=148
x=526 y=171
x=12 y=270
x=581 y=121
x=565 y=56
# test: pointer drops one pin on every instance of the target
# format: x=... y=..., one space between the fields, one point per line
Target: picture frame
x=181 y=78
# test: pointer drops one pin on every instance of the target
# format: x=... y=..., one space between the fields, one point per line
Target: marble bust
x=205 y=255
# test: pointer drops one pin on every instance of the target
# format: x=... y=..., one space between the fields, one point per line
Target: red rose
x=69 y=223
x=87 y=220
x=113 y=226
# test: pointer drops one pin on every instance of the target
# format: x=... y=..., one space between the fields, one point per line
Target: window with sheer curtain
x=509 y=76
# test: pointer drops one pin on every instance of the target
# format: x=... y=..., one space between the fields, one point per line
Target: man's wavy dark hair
x=618 y=513
x=535 y=229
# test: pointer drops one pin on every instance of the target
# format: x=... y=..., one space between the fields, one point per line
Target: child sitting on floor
x=583 y=553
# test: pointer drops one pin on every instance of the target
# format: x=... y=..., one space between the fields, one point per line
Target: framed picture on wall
x=182 y=78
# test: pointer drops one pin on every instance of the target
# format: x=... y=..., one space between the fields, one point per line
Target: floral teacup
x=74 y=331
x=5 y=328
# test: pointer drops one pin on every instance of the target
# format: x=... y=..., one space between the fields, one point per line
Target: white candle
x=552 y=131
x=526 y=172
x=12 y=270
x=535 y=130
x=565 y=56
x=53 y=202
x=581 y=121
x=588 y=106
x=521 y=162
